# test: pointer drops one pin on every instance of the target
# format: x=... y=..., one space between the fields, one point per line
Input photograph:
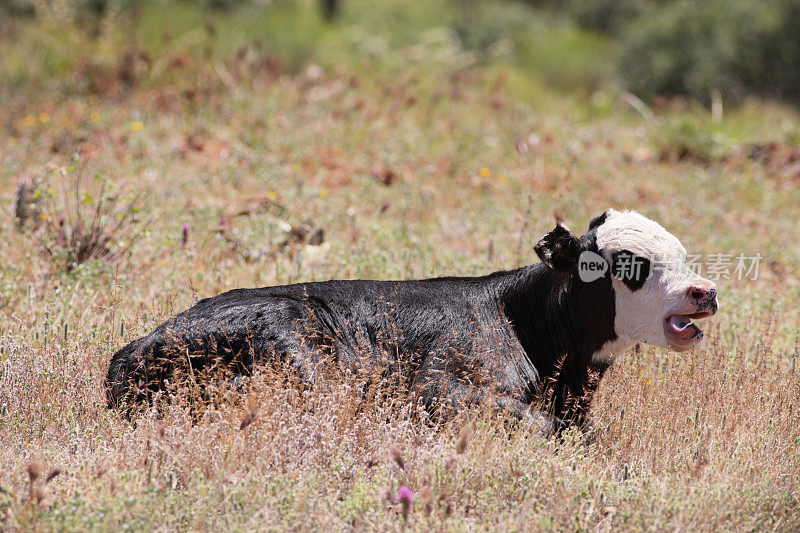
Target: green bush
x=694 y=47
x=482 y=25
x=80 y=7
x=606 y=16
x=689 y=137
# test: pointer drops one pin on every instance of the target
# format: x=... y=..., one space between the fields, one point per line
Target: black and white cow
x=534 y=341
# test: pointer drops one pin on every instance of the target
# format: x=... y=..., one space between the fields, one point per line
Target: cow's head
x=656 y=294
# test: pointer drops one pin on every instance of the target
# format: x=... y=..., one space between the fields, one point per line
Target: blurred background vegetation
x=154 y=152
x=705 y=50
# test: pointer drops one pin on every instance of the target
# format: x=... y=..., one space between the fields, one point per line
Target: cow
x=534 y=341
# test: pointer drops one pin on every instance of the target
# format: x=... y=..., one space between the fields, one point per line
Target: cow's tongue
x=682 y=328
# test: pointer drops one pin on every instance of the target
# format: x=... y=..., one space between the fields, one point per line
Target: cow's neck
x=560 y=322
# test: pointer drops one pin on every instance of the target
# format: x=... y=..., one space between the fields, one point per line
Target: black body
x=521 y=338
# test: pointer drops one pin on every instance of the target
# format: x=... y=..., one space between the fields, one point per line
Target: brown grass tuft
x=26 y=203
x=250 y=417
x=426 y=495
x=397 y=457
x=35 y=470
x=55 y=472
x=82 y=222
x=463 y=440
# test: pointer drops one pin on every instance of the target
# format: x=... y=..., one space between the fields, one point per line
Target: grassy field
x=417 y=154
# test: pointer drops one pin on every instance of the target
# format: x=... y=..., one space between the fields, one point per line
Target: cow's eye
x=631 y=269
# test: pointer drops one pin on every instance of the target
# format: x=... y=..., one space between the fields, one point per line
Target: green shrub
x=483 y=24
x=686 y=137
x=606 y=16
x=76 y=8
x=694 y=47
x=15 y=8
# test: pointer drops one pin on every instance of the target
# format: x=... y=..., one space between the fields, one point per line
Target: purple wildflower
x=406 y=498
x=185 y=233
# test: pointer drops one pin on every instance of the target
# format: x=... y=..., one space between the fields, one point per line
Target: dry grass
x=242 y=152
x=73 y=224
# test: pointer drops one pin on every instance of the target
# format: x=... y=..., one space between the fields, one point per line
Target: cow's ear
x=559 y=249
x=598 y=220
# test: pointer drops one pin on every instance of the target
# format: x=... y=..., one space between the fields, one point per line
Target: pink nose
x=703 y=291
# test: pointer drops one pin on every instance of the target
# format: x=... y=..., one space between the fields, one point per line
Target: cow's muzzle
x=701 y=301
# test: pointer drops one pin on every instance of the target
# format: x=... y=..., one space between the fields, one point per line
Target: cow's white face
x=657 y=294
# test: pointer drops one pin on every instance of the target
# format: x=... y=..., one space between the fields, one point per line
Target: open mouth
x=681 y=332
